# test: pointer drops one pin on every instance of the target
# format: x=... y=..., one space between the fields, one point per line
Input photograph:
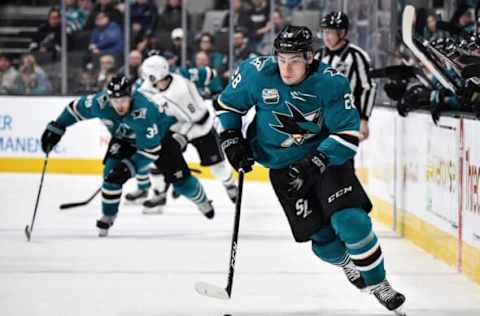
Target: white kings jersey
x=182 y=100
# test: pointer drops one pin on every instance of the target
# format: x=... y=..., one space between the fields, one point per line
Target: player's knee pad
x=351 y=224
x=333 y=252
x=188 y=186
x=221 y=170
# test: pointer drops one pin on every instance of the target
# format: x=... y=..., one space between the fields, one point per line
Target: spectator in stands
x=88 y=80
x=259 y=17
x=106 y=38
x=431 y=31
x=10 y=81
x=108 y=7
x=201 y=59
x=34 y=80
x=172 y=59
x=172 y=16
x=279 y=21
x=463 y=18
x=176 y=47
x=144 y=17
x=242 y=49
x=76 y=17
x=107 y=69
x=47 y=40
x=134 y=62
x=86 y=6
x=241 y=17
x=217 y=59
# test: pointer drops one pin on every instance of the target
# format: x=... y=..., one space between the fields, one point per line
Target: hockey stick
x=415 y=46
x=76 y=204
x=29 y=229
x=211 y=290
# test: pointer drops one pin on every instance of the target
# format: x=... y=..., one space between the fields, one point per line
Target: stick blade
x=28 y=232
x=211 y=290
x=69 y=205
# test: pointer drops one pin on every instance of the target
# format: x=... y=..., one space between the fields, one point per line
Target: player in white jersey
x=350 y=60
x=178 y=97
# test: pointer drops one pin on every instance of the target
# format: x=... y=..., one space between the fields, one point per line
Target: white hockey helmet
x=155 y=68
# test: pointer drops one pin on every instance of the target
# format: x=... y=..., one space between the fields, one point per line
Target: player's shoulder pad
x=332 y=82
x=258 y=65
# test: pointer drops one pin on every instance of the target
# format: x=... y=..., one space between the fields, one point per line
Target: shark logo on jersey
x=297 y=125
x=270 y=96
x=139 y=114
x=301 y=96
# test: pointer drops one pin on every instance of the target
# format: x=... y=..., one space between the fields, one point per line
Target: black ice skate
x=207 y=209
x=155 y=204
x=103 y=224
x=354 y=276
x=232 y=191
x=136 y=197
x=388 y=297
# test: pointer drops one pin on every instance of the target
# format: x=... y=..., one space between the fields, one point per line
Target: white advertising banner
x=376 y=155
x=471 y=190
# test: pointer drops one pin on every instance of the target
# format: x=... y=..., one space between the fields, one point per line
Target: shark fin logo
x=296 y=125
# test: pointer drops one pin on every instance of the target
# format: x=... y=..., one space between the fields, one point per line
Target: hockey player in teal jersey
x=305 y=131
x=145 y=138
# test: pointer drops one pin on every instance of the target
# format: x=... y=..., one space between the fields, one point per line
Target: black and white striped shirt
x=354 y=63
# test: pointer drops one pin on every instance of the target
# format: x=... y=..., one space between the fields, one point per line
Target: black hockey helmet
x=335 y=20
x=293 y=39
x=119 y=86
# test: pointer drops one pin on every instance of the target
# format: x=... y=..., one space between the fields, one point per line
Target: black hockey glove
x=302 y=174
x=181 y=139
x=237 y=150
x=119 y=149
x=119 y=174
x=439 y=103
x=51 y=136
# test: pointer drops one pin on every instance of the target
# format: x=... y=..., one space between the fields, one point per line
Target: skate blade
x=135 y=202
x=153 y=210
x=102 y=232
x=400 y=311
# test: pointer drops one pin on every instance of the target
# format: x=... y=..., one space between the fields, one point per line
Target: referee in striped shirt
x=350 y=60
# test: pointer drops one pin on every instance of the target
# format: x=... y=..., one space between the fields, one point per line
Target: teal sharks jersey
x=292 y=121
x=143 y=125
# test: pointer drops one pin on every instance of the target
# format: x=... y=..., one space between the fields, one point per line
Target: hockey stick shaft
x=82 y=203
x=236 y=227
x=28 y=230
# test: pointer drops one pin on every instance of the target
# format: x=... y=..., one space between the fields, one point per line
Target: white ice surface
x=149 y=264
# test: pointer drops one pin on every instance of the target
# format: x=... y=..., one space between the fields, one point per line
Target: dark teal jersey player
x=143 y=137
x=305 y=130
